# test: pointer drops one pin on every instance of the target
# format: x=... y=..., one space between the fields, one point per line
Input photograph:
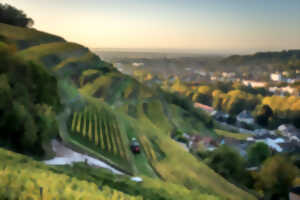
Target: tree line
x=13 y=16
x=268 y=110
x=28 y=104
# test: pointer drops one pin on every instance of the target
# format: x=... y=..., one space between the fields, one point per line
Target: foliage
x=263 y=114
x=284 y=108
x=28 y=105
x=258 y=153
x=23 y=178
x=276 y=177
x=228 y=163
x=13 y=16
x=203 y=95
x=235 y=101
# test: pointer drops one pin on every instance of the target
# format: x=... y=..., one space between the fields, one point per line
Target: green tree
x=28 y=103
x=228 y=163
x=258 y=153
x=13 y=16
x=203 y=95
x=276 y=177
x=262 y=114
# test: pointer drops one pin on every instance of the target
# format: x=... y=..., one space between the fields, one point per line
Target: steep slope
x=94 y=90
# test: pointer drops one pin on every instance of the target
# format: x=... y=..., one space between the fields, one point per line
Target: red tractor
x=135 y=146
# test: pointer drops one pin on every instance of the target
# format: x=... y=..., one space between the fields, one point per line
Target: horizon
x=209 y=27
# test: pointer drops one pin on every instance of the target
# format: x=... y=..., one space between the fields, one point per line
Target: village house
x=239 y=145
x=276 y=77
x=261 y=132
x=273 y=144
x=246 y=117
x=282 y=90
x=207 y=142
x=290 y=132
x=220 y=116
x=206 y=108
x=254 y=84
x=137 y=64
x=228 y=75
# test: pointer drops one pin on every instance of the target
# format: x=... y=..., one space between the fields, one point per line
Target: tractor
x=135 y=146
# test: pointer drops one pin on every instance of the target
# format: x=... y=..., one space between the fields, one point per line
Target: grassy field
x=237 y=136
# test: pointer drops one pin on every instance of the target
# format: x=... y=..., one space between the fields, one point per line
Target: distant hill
x=270 y=61
x=100 y=102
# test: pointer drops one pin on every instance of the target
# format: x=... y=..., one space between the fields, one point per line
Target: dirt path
x=66 y=156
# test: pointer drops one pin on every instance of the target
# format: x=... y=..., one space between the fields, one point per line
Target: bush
x=13 y=16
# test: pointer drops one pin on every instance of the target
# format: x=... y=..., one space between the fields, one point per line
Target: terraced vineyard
x=100 y=129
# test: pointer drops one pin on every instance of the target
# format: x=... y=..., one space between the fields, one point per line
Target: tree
x=13 y=16
x=203 y=95
x=228 y=163
x=276 y=177
x=258 y=153
x=262 y=114
x=28 y=103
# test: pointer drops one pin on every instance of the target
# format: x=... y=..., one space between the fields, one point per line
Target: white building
x=282 y=90
x=276 y=77
x=245 y=117
x=136 y=64
x=228 y=74
x=254 y=84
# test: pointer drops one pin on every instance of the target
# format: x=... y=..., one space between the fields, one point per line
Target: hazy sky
x=212 y=25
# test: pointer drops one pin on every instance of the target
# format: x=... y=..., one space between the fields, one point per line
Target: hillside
x=24 y=178
x=264 y=58
x=264 y=61
x=103 y=109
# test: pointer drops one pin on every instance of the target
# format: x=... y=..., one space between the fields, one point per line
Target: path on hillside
x=66 y=156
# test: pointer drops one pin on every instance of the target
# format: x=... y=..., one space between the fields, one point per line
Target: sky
x=237 y=26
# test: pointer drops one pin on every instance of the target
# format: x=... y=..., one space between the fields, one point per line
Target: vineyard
x=98 y=128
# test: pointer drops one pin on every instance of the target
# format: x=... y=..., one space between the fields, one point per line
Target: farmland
x=98 y=128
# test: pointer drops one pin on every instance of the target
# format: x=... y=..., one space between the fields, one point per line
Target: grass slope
x=237 y=136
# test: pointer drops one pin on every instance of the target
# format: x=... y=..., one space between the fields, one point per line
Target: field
x=237 y=136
